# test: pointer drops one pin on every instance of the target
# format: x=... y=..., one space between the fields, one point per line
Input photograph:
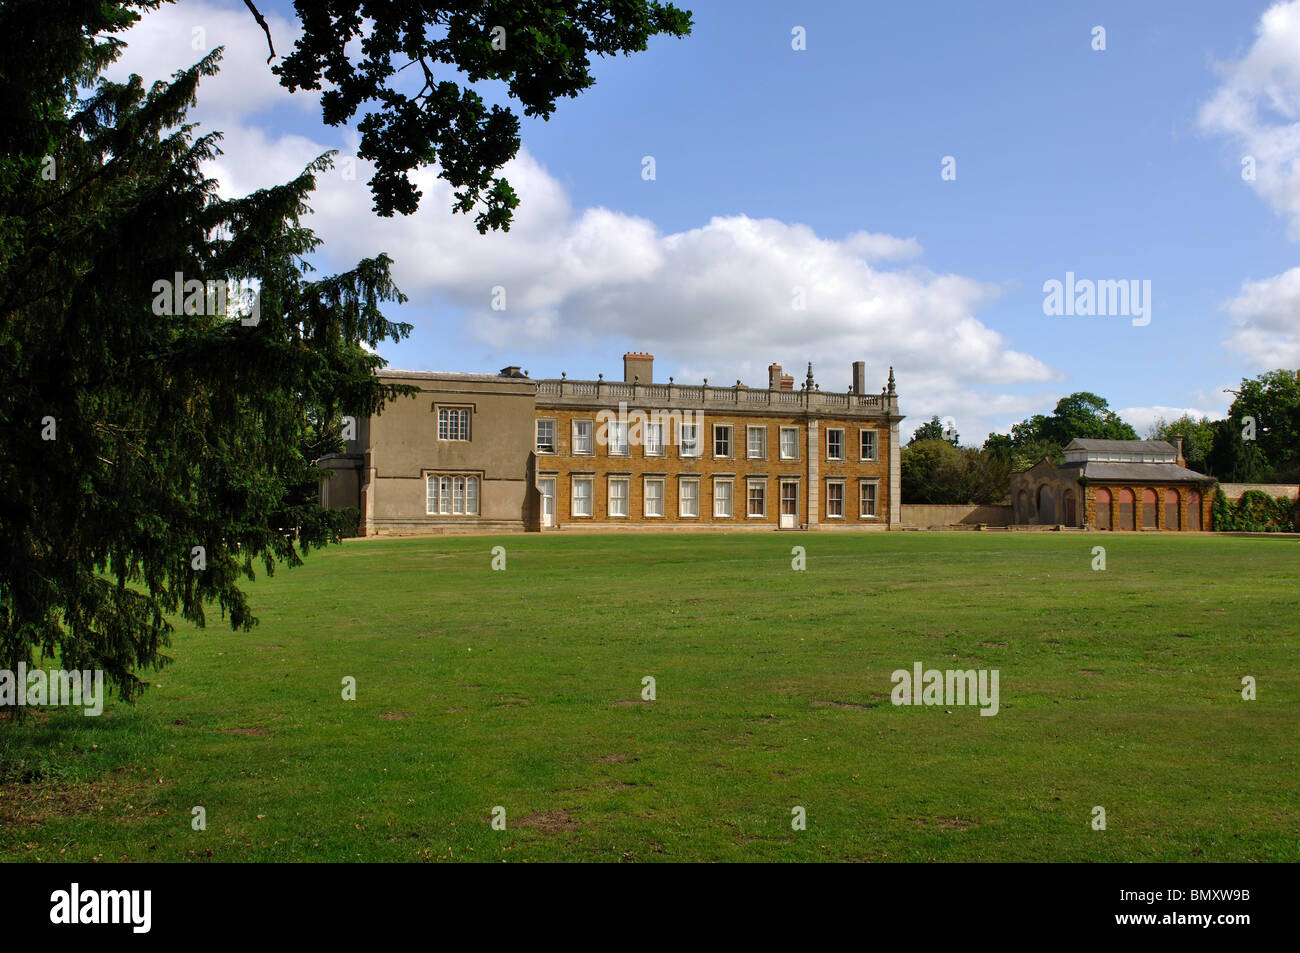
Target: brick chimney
x=786 y=383
x=1178 y=452
x=638 y=365
x=774 y=377
x=859 y=377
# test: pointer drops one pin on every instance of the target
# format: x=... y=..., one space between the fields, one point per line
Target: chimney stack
x=639 y=366
x=859 y=377
x=1178 y=454
x=774 y=377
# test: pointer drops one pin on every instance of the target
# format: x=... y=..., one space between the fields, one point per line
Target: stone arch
x=1172 y=522
x=1101 y=505
x=1127 y=508
x=1150 y=508
x=1193 y=510
x=1024 y=511
x=1044 y=504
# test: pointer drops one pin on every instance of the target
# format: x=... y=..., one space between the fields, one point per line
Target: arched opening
x=1171 y=509
x=1149 y=508
x=1126 y=509
x=1103 y=508
x=1194 y=509
x=1045 y=505
x=1024 y=513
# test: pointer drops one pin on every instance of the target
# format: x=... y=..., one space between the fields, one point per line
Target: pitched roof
x=1140 y=473
x=1121 y=446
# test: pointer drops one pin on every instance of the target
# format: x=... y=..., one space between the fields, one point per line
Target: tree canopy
x=153 y=454
x=539 y=51
x=1080 y=415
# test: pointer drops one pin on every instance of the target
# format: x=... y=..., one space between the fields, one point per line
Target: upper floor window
x=654 y=440
x=722 y=440
x=789 y=443
x=618 y=440
x=835 y=443
x=690 y=440
x=453 y=423
x=757 y=443
x=546 y=436
x=582 y=430
x=868 y=444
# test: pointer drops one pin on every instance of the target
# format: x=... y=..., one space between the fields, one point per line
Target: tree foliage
x=933 y=429
x=936 y=472
x=538 y=51
x=1081 y=415
x=151 y=460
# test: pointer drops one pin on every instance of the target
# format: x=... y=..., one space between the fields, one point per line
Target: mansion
x=505 y=452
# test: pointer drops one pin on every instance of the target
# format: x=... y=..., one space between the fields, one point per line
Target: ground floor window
x=688 y=498
x=867 y=490
x=834 y=500
x=451 y=495
x=722 y=492
x=581 y=496
x=654 y=497
x=618 y=496
x=757 y=498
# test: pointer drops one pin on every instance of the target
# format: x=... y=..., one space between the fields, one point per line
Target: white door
x=789 y=504
x=547 y=486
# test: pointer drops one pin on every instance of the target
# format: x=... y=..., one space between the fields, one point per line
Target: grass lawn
x=522 y=688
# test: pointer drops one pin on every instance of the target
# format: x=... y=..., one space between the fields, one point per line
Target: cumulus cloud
x=1257 y=106
x=719 y=300
x=1266 y=317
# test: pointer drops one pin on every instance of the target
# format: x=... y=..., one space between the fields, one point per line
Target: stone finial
x=563 y=375
x=892 y=391
x=600 y=376
x=808 y=381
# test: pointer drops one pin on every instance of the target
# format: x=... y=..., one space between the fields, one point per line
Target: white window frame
x=749 y=484
x=843 y=492
x=875 y=445
x=646 y=498
x=591 y=438
x=655 y=448
x=590 y=497
x=829 y=431
x=617 y=448
x=875 y=499
x=688 y=449
x=795 y=442
x=731 y=498
x=749 y=444
x=442 y=491
x=445 y=428
x=731 y=441
x=682 y=483
x=537 y=436
x=626 y=500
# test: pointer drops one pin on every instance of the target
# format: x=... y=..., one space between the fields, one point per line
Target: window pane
x=582 y=436
x=868 y=445
x=757 y=501
x=868 y=499
x=722 y=441
x=618 y=439
x=444 y=503
x=834 y=499
x=690 y=440
x=757 y=441
x=654 y=440
x=471 y=496
x=431 y=495
x=546 y=436
x=722 y=498
x=789 y=443
x=654 y=498
x=582 y=497
x=618 y=497
x=834 y=444
x=689 y=497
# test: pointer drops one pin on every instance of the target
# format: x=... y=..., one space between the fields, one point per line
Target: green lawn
x=522 y=689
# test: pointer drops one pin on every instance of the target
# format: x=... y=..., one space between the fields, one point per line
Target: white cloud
x=1267 y=320
x=716 y=300
x=1257 y=106
x=1144 y=418
x=176 y=36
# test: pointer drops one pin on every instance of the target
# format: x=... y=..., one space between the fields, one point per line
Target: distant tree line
x=1258 y=442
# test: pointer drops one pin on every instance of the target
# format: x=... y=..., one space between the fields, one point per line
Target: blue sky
x=820 y=168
